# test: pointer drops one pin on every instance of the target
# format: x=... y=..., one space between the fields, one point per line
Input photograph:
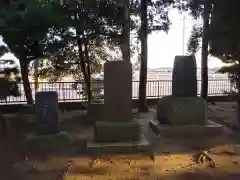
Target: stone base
x=141 y=146
x=208 y=130
x=192 y=111
x=107 y=132
x=52 y=142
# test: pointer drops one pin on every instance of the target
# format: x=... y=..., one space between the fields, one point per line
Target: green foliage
x=224 y=30
x=97 y=91
x=195 y=39
x=100 y=24
x=98 y=54
x=25 y=24
x=224 y=34
x=50 y=30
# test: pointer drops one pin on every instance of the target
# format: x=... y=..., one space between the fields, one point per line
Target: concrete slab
x=208 y=130
x=141 y=146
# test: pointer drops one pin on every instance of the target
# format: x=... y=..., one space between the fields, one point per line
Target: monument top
x=184 y=77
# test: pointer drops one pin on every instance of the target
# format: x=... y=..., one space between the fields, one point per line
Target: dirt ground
x=172 y=158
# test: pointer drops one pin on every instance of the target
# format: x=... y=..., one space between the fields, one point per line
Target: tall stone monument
x=118 y=132
x=47 y=136
x=183 y=112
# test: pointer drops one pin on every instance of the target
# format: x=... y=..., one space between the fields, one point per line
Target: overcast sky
x=162 y=47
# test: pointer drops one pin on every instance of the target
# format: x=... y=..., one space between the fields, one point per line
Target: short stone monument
x=47 y=136
x=46 y=112
x=118 y=133
x=183 y=113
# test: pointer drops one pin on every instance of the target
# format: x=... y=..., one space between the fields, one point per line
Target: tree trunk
x=126 y=33
x=36 y=76
x=204 y=60
x=143 y=64
x=238 y=98
x=84 y=70
x=86 y=76
x=88 y=64
x=3 y=127
x=26 y=83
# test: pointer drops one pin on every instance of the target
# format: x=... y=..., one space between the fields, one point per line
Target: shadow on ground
x=173 y=157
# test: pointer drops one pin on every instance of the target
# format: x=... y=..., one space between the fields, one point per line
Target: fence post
x=63 y=91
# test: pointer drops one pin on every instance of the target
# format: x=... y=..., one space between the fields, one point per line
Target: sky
x=163 y=47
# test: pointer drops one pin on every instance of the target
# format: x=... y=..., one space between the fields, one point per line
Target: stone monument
x=47 y=136
x=46 y=113
x=183 y=113
x=118 y=133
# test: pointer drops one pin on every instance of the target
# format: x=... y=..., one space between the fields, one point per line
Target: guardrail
x=67 y=91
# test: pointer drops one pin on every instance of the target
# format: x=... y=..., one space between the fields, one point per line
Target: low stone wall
x=66 y=106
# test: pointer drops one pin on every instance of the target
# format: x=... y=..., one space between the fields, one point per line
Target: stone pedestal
x=117 y=133
x=49 y=142
x=141 y=146
x=108 y=132
x=181 y=111
x=210 y=129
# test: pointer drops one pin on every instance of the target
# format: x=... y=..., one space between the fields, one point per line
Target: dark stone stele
x=118 y=91
x=46 y=112
x=184 y=77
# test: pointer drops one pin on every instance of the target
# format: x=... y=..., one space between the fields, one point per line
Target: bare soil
x=173 y=158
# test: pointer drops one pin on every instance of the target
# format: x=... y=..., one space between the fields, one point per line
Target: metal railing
x=155 y=89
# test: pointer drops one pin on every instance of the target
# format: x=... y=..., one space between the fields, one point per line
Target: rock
x=105 y=131
x=184 y=77
x=51 y=142
x=180 y=111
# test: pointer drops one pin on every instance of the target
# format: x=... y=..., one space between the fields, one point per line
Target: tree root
x=202 y=157
x=65 y=172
